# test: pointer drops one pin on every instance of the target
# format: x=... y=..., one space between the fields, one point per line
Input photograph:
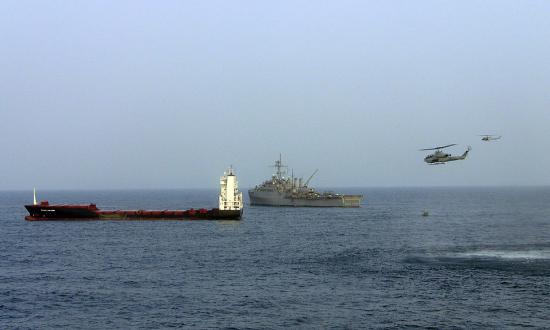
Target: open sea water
x=481 y=259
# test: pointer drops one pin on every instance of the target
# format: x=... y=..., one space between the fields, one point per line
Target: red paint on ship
x=44 y=211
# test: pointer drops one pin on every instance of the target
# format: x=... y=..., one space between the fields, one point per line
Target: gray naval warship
x=282 y=190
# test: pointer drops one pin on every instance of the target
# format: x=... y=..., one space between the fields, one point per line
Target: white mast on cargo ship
x=230 y=198
x=34 y=196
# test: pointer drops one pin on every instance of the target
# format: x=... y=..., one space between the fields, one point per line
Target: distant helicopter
x=488 y=138
x=439 y=157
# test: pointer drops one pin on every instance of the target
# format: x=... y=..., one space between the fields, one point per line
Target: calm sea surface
x=480 y=260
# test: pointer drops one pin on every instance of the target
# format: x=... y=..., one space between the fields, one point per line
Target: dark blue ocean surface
x=480 y=260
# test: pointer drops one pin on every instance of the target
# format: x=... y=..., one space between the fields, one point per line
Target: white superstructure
x=230 y=198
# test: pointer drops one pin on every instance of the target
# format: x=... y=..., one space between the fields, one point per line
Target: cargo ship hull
x=47 y=212
x=230 y=207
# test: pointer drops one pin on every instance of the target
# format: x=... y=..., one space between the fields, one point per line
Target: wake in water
x=510 y=254
x=525 y=259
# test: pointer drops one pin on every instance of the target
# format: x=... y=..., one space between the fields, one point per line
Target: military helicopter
x=488 y=138
x=440 y=158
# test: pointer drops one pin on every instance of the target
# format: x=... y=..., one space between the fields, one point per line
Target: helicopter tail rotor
x=466 y=152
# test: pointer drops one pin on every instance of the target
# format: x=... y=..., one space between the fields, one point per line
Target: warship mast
x=279 y=166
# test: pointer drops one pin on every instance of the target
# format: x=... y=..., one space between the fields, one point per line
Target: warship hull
x=282 y=190
x=268 y=198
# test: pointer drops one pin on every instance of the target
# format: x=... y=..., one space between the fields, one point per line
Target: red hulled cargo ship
x=230 y=208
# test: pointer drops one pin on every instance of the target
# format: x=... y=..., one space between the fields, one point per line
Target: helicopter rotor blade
x=437 y=148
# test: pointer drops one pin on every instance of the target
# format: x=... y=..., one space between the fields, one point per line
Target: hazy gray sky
x=167 y=94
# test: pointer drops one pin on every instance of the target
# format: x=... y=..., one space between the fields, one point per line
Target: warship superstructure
x=283 y=190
